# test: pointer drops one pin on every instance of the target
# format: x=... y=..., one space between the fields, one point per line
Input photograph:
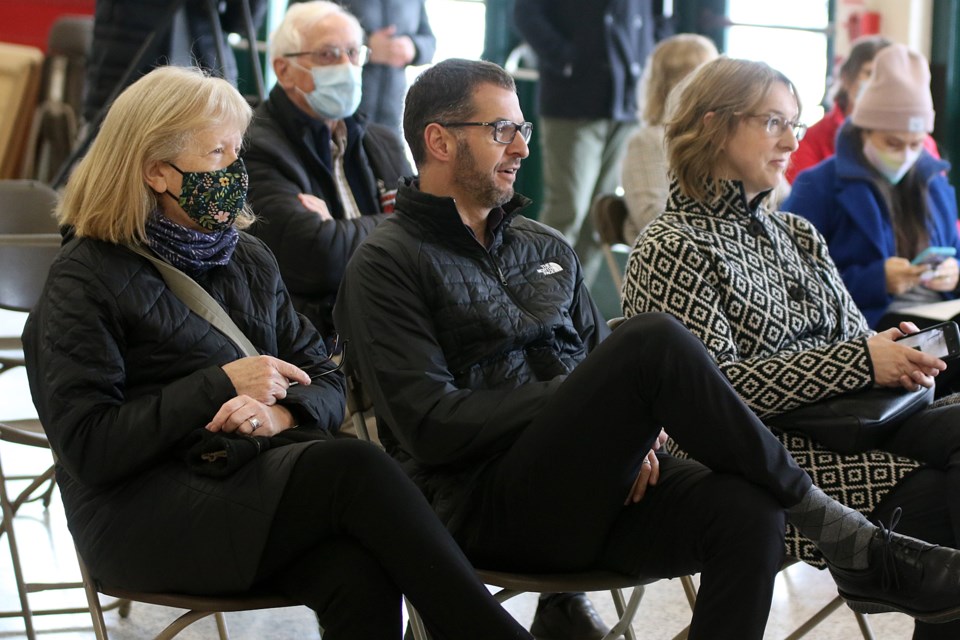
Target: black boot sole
x=873 y=606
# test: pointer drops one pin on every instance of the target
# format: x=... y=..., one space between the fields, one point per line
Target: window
x=790 y=37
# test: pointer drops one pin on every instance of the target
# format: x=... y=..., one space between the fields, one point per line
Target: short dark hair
x=444 y=93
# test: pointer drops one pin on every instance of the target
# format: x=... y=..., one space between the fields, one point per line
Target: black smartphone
x=941 y=340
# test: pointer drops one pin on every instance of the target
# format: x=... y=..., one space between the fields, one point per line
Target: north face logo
x=549 y=268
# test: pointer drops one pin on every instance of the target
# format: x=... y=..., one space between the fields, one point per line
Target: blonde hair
x=671 y=61
x=288 y=36
x=153 y=120
x=728 y=88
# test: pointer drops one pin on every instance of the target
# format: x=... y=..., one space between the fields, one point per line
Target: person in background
x=398 y=35
x=645 y=162
x=820 y=141
x=125 y=377
x=321 y=176
x=590 y=57
x=883 y=198
x=121 y=27
x=758 y=287
x=534 y=431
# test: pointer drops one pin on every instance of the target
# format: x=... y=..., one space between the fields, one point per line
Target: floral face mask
x=213 y=199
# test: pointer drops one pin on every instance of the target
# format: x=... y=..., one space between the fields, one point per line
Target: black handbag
x=220 y=454
x=854 y=422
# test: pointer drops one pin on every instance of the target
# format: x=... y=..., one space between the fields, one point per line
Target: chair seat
x=561 y=582
x=224 y=604
x=27 y=432
x=11 y=352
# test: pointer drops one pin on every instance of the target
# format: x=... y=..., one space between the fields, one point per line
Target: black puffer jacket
x=461 y=347
x=120 y=371
x=313 y=252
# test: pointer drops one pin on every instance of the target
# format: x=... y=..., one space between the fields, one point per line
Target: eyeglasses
x=335 y=349
x=333 y=55
x=776 y=126
x=339 y=365
x=504 y=131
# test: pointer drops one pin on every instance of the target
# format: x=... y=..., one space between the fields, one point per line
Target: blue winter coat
x=838 y=196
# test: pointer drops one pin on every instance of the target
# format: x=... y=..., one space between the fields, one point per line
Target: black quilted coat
x=282 y=163
x=461 y=346
x=120 y=371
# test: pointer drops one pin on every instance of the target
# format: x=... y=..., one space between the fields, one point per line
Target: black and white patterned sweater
x=759 y=288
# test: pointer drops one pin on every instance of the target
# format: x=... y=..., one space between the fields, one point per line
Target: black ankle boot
x=567 y=616
x=906 y=575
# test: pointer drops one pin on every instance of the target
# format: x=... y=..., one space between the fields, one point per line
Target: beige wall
x=905 y=21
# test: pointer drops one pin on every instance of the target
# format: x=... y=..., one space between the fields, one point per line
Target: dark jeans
x=554 y=500
x=352 y=533
x=929 y=497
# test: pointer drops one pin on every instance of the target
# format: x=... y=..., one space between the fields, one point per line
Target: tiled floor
x=48 y=555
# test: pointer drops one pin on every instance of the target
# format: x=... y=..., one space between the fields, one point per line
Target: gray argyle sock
x=841 y=534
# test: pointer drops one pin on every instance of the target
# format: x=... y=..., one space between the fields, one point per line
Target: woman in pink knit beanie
x=883 y=199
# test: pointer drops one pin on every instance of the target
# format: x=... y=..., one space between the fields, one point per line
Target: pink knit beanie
x=897 y=95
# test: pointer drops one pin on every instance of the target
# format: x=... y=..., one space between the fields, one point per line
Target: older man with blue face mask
x=321 y=176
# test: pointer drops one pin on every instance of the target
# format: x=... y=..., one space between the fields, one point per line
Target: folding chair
x=28 y=433
x=608 y=213
x=28 y=243
x=29 y=240
x=814 y=620
x=512 y=584
x=20 y=71
x=56 y=123
x=198 y=607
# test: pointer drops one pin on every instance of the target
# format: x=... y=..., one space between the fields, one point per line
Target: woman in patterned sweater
x=759 y=288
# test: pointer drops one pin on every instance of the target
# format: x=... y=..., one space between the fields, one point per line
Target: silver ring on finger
x=254 y=422
x=646 y=461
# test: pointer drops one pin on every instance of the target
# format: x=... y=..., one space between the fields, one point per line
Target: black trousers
x=352 y=533
x=929 y=497
x=555 y=499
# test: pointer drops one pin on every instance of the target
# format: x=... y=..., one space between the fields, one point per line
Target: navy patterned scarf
x=193 y=252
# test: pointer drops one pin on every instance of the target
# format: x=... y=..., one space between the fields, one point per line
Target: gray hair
x=288 y=37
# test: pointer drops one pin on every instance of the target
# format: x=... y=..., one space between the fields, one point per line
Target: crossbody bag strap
x=198 y=300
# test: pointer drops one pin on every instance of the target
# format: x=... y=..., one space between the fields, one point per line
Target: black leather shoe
x=906 y=575
x=567 y=616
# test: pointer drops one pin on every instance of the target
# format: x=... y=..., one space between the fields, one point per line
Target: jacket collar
x=438 y=216
x=313 y=132
x=731 y=202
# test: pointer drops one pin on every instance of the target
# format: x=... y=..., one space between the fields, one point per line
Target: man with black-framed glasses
x=321 y=176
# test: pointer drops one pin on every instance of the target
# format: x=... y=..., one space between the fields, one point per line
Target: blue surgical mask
x=336 y=90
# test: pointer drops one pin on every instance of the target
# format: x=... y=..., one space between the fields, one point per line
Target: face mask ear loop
x=167 y=191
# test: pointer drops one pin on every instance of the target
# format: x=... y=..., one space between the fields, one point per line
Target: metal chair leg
x=416 y=622
x=7 y=527
x=626 y=612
